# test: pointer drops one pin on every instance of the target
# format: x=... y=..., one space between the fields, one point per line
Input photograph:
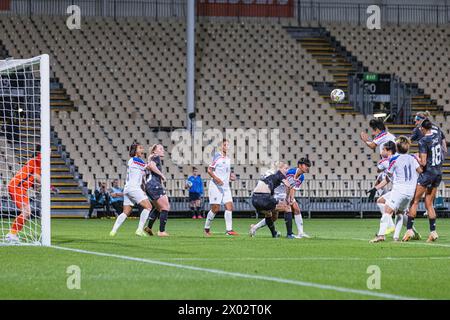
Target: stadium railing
x=327 y=197
x=297 y=11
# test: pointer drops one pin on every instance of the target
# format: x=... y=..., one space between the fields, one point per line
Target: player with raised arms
x=404 y=171
x=219 y=191
x=156 y=192
x=380 y=137
x=292 y=207
x=431 y=158
x=263 y=196
x=18 y=187
x=380 y=134
x=133 y=193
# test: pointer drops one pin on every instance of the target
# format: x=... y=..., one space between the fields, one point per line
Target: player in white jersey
x=133 y=193
x=379 y=133
x=380 y=137
x=403 y=171
x=383 y=166
x=219 y=191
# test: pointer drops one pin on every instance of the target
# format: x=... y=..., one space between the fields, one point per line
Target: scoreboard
x=377 y=85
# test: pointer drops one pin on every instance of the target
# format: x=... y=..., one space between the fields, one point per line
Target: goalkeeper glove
x=372 y=193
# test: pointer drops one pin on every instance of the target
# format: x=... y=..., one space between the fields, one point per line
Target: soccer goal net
x=25 y=151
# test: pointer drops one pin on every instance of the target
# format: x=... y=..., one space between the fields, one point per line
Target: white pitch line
x=245 y=276
x=305 y=259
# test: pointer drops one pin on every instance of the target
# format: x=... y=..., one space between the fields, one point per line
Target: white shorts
x=398 y=201
x=280 y=196
x=218 y=194
x=382 y=192
x=133 y=197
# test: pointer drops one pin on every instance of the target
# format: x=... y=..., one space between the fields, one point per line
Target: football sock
x=432 y=225
x=228 y=220
x=405 y=219
x=391 y=223
x=152 y=218
x=120 y=219
x=143 y=219
x=18 y=224
x=260 y=224
x=209 y=219
x=288 y=219
x=163 y=220
x=193 y=211
x=381 y=206
x=383 y=224
x=398 y=225
x=271 y=226
x=405 y=223
x=299 y=222
x=199 y=211
x=410 y=223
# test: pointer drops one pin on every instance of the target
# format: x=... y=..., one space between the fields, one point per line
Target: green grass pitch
x=331 y=265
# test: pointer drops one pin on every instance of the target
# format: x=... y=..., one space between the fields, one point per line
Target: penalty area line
x=243 y=275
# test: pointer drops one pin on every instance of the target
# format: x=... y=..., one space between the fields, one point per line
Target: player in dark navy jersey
x=417 y=133
x=430 y=158
x=263 y=196
x=156 y=192
x=286 y=201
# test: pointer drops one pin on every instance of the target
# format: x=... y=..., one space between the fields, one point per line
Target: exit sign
x=371 y=77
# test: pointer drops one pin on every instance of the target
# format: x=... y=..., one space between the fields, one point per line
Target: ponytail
x=153 y=148
x=423 y=115
x=133 y=148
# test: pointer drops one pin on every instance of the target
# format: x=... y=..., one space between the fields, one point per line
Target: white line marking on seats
x=243 y=275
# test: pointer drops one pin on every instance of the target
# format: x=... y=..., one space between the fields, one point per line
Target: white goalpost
x=25 y=151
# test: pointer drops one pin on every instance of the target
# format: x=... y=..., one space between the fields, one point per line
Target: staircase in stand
x=334 y=58
x=341 y=64
x=72 y=199
x=59 y=99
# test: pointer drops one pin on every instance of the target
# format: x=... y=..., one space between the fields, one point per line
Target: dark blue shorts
x=264 y=202
x=154 y=191
x=429 y=179
x=194 y=196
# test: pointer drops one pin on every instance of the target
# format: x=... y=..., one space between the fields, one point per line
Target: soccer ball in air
x=337 y=95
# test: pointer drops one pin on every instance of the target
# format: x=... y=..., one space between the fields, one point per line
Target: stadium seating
x=126 y=78
x=418 y=54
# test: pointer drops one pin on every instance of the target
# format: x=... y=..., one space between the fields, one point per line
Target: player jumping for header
x=431 y=158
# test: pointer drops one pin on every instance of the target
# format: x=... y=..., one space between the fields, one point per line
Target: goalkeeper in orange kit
x=18 y=188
